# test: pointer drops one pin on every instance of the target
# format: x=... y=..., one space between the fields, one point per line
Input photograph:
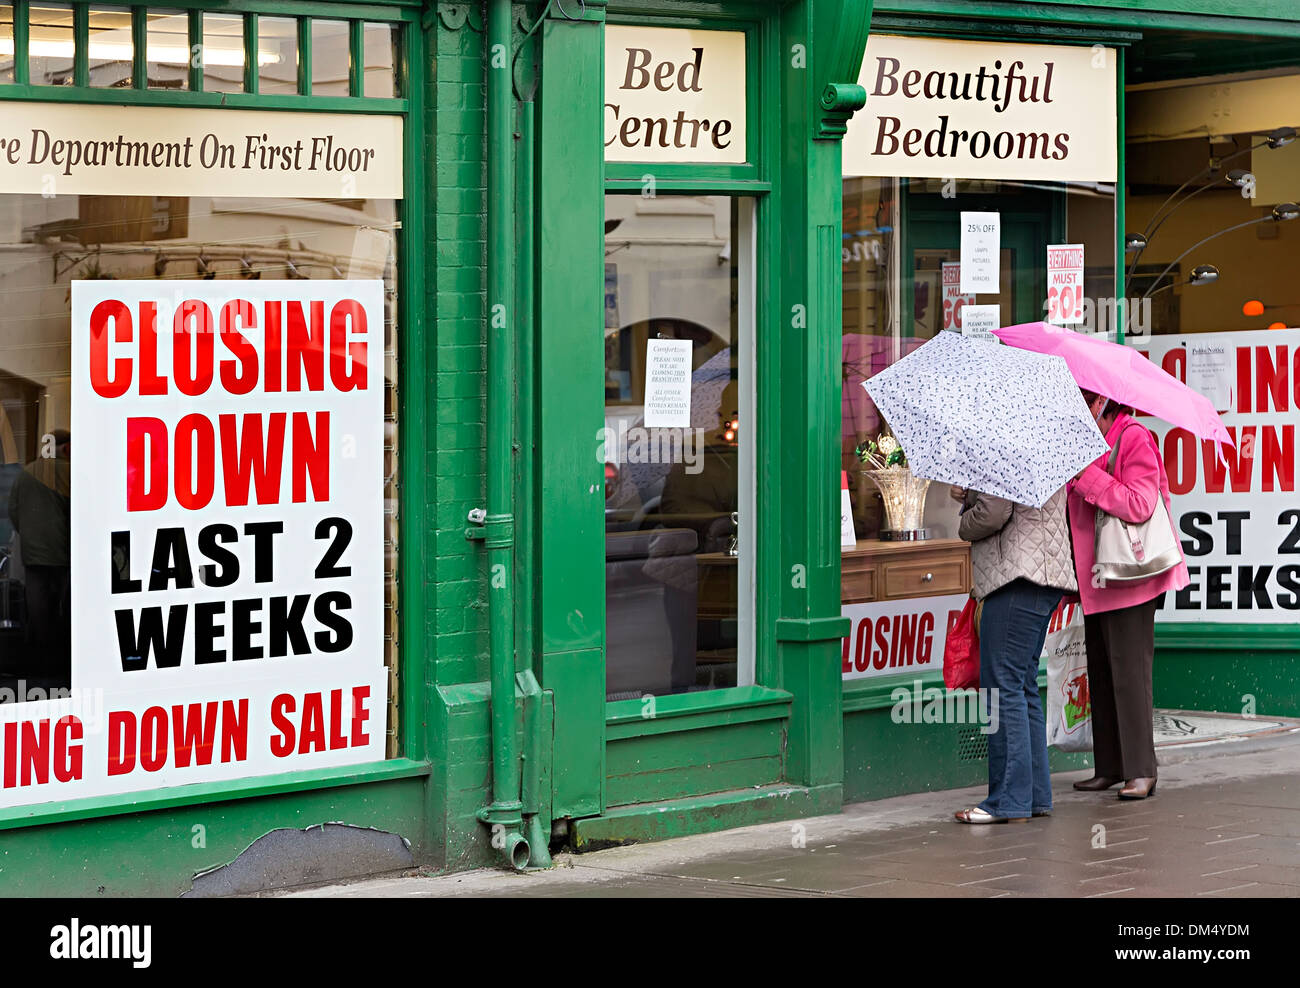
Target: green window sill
x=210 y=792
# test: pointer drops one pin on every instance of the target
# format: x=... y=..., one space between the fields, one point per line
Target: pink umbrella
x=1124 y=374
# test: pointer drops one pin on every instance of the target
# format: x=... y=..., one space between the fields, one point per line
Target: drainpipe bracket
x=499 y=531
x=508 y=814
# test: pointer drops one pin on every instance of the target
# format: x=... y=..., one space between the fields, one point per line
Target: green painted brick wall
x=457 y=618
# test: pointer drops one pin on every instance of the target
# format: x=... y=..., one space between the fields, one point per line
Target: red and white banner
x=1239 y=522
x=227 y=540
x=889 y=637
x=953 y=299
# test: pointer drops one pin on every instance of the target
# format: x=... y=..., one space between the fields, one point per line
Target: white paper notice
x=1065 y=284
x=953 y=299
x=1210 y=371
x=979 y=321
x=981 y=241
x=667 y=384
x=848 y=535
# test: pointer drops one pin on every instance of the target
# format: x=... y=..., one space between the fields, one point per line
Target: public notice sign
x=227 y=540
x=1239 y=521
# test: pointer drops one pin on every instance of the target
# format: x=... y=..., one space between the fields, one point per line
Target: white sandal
x=977 y=815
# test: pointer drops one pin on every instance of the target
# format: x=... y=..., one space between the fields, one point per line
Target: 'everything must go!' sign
x=227 y=540
x=1239 y=522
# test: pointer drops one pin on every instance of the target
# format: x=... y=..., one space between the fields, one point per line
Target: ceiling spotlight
x=1281 y=137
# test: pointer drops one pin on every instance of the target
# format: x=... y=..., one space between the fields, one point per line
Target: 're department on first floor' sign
x=226 y=535
x=53 y=149
x=1239 y=520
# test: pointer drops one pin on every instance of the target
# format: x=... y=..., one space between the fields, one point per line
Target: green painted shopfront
x=467 y=404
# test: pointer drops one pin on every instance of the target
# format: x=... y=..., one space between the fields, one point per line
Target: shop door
x=678 y=447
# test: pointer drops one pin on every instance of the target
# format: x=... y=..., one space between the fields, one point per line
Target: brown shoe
x=1098 y=783
x=1138 y=789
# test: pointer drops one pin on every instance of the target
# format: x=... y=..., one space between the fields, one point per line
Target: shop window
x=380 y=53
x=1221 y=311
x=167 y=50
x=277 y=55
x=51 y=45
x=46 y=243
x=901 y=253
x=109 y=53
x=330 y=61
x=223 y=53
x=6 y=43
x=677 y=444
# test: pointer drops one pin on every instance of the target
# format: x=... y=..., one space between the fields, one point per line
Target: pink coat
x=1130 y=495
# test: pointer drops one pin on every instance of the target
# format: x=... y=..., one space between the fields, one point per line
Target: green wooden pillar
x=570 y=374
x=821 y=51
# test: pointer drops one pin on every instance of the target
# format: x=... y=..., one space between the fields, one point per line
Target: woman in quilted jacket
x=1022 y=566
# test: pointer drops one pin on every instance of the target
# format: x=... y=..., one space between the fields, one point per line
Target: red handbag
x=961 y=651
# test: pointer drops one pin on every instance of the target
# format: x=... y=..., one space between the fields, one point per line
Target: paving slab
x=1224 y=823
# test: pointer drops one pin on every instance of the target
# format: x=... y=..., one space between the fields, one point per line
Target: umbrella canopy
x=1124 y=374
x=999 y=420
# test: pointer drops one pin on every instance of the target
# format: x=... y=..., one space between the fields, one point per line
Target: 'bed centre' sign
x=674 y=95
x=978 y=109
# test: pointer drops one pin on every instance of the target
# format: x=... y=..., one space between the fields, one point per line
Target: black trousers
x=1121 y=647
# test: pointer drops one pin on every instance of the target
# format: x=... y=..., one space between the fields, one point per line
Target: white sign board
x=674 y=95
x=848 y=535
x=1210 y=370
x=898 y=636
x=938 y=108
x=667 y=383
x=979 y=321
x=226 y=540
x=981 y=244
x=64 y=149
x=1239 y=523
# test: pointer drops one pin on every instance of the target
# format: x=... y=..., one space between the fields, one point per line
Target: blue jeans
x=1012 y=631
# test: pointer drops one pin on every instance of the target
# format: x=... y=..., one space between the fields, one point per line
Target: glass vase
x=904 y=495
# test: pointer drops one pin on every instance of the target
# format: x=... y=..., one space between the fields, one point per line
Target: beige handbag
x=1123 y=551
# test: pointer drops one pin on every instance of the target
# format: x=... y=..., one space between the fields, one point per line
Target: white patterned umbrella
x=993 y=418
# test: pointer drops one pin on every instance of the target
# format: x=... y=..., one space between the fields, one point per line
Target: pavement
x=1224 y=822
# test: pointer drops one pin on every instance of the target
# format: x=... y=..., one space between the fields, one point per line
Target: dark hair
x=1113 y=408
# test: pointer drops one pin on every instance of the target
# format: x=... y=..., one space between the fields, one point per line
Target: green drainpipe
x=532 y=795
x=505 y=814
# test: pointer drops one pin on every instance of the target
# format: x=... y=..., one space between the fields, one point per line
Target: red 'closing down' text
x=183 y=735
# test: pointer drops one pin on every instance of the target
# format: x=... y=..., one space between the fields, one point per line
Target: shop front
x=1106 y=172
x=464 y=393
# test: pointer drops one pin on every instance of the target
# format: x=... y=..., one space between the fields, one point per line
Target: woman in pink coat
x=1119 y=618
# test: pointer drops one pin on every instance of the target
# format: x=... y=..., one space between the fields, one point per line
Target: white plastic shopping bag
x=1069 y=709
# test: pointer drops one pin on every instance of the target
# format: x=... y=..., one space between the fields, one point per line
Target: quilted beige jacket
x=1010 y=541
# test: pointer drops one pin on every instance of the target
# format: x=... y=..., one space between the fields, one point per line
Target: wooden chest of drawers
x=876 y=570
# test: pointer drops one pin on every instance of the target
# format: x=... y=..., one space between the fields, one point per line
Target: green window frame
x=752 y=179
x=356 y=16
x=409 y=69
